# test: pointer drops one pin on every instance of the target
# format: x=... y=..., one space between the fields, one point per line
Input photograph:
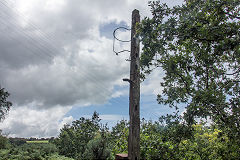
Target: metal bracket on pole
x=127 y=80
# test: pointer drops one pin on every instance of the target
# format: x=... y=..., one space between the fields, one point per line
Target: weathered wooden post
x=134 y=95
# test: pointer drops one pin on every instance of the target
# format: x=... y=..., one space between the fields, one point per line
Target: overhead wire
x=48 y=36
x=114 y=37
x=87 y=77
x=44 y=36
x=142 y=110
x=10 y=36
x=114 y=34
x=29 y=39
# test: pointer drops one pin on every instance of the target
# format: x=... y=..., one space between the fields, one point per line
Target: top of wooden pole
x=135 y=11
x=135 y=16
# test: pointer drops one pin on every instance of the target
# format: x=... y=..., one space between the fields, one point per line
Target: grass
x=31 y=142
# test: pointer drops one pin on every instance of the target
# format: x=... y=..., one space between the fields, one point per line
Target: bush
x=29 y=152
x=17 y=141
x=73 y=140
x=208 y=143
x=97 y=149
x=3 y=142
x=119 y=138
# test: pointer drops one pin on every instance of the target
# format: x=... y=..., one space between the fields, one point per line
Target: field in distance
x=36 y=141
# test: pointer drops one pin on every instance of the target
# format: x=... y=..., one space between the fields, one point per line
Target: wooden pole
x=134 y=95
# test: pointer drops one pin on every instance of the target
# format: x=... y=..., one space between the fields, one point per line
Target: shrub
x=97 y=149
x=17 y=141
x=73 y=139
x=3 y=142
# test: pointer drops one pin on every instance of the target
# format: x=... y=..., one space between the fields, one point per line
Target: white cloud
x=65 y=120
x=117 y=93
x=83 y=71
x=52 y=55
x=152 y=84
x=29 y=122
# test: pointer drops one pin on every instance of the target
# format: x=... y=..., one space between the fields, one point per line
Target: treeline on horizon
x=167 y=138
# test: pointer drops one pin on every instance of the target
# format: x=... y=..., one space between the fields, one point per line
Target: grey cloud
x=59 y=58
x=21 y=46
x=24 y=130
x=53 y=59
x=37 y=67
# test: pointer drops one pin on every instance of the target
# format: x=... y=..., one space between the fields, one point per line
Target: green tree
x=80 y=139
x=154 y=143
x=119 y=137
x=208 y=143
x=4 y=103
x=3 y=141
x=97 y=148
x=197 y=47
x=161 y=139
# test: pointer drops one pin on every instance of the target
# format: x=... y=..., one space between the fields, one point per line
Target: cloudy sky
x=56 y=61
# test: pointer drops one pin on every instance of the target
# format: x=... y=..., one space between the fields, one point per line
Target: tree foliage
x=97 y=148
x=170 y=141
x=208 y=143
x=4 y=103
x=119 y=137
x=197 y=47
x=161 y=139
x=84 y=138
x=3 y=141
x=167 y=138
x=30 y=152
